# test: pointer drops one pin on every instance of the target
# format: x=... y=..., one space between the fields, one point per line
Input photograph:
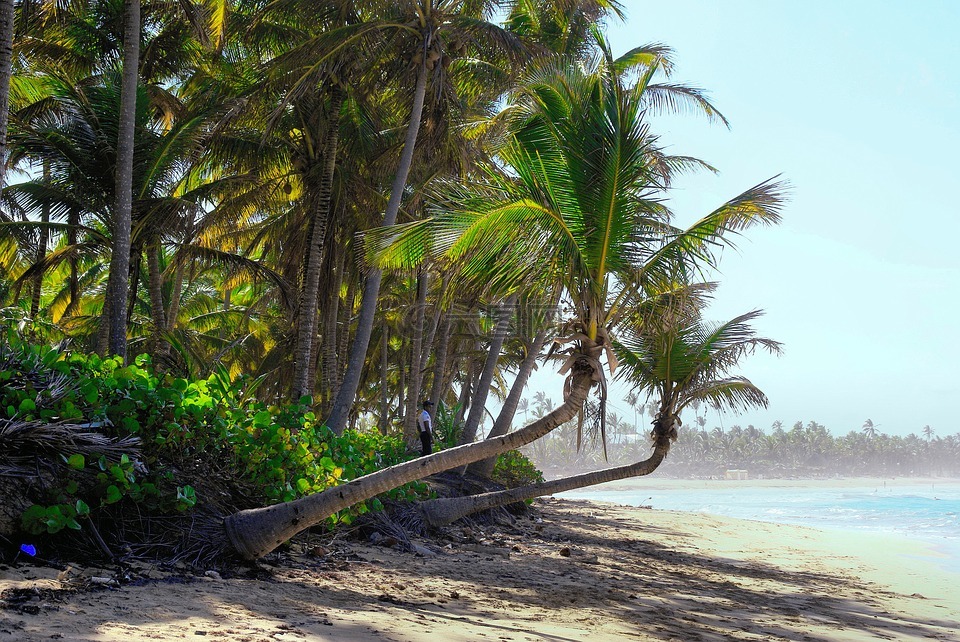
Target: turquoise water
x=926 y=512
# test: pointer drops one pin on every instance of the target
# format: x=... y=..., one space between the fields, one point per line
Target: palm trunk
x=306 y=328
x=384 y=395
x=505 y=419
x=347 y=393
x=438 y=512
x=449 y=374
x=432 y=332
x=463 y=400
x=440 y=365
x=103 y=332
x=174 y=311
x=122 y=214
x=254 y=533
x=41 y=248
x=402 y=382
x=330 y=360
x=133 y=279
x=6 y=67
x=343 y=332
x=410 y=431
x=479 y=400
x=73 y=219
x=155 y=286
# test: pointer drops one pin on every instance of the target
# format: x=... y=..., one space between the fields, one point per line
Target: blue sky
x=857 y=105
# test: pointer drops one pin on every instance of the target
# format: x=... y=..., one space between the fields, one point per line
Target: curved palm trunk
x=479 y=400
x=119 y=280
x=254 y=533
x=307 y=326
x=6 y=66
x=505 y=419
x=347 y=393
x=438 y=512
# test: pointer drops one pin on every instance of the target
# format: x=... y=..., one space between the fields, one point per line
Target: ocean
x=928 y=512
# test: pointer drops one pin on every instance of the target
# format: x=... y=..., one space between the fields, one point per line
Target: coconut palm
x=676 y=358
x=435 y=33
x=582 y=207
x=6 y=66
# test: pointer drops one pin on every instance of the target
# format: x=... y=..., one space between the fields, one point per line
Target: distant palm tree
x=928 y=432
x=524 y=406
x=870 y=428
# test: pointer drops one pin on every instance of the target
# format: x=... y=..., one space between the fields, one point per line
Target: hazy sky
x=857 y=105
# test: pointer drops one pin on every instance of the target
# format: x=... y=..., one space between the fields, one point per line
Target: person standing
x=426 y=429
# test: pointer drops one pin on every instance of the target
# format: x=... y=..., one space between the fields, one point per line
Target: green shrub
x=446 y=428
x=282 y=451
x=514 y=469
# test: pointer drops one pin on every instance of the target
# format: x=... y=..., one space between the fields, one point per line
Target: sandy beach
x=574 y=570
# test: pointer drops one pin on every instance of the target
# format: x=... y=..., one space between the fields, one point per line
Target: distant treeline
x=805 y=450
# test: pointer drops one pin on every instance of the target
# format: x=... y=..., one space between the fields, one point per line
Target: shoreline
x=942 y=548
x=667 y=483
x=572 y=570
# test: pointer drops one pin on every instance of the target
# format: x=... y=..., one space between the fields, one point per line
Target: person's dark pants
x=426 y=440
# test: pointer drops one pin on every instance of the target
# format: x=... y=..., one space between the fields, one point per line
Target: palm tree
x=676 y=358
x=583 y=209
x=118 y=286
x=6 y=66
x=870 y=428
x=437 y=31
x=928 y=432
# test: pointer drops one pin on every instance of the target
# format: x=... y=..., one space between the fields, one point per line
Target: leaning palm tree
x=581 y=206
x=674 y=357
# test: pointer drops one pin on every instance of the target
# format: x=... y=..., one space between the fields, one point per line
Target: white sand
x=630 y=574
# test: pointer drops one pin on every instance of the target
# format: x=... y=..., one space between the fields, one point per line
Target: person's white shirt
x=424 y=423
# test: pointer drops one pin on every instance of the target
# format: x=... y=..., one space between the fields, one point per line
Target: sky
x=857 y=105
